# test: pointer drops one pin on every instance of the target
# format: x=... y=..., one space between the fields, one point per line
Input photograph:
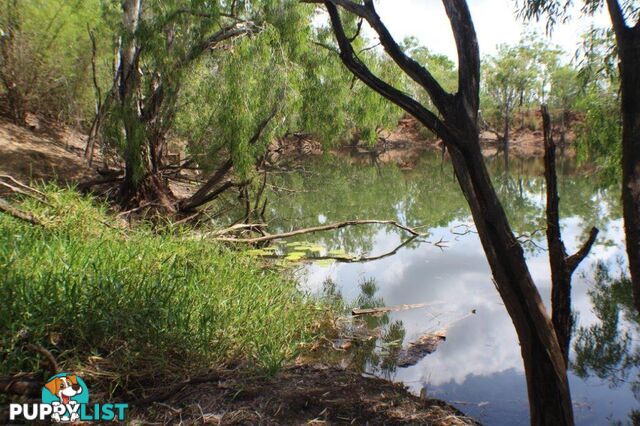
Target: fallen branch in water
x=355 y=259
x=329 y=227
x=386 y=309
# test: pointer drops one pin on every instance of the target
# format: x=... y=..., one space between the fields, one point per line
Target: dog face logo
x=64 y=387
x=65 y=392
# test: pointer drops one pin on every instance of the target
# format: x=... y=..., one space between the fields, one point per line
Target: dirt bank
x=42 y=153
x=305 y=394
x=404 y=145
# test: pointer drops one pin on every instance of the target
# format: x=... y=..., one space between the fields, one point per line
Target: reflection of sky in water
x=479 y=367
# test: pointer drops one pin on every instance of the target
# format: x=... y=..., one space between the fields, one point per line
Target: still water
x=478 y=368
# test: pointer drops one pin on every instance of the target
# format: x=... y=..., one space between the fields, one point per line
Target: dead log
x=7 y=208
x=385 y=309
x=418 y=349
x=329 y=227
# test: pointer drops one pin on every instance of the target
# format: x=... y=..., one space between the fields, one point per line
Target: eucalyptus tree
x=453 y=118
x=517 y=78
x=509 y=79
x=226 y=78
x=599 y=134
x=625 y=22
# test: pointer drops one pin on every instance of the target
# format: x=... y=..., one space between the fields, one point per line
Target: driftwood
x=329 y=227
x=385 y=309
x=423 y=346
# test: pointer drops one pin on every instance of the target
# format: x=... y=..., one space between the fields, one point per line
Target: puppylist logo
x=65 y=398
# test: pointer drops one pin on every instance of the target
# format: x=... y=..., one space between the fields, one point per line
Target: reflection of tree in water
x=606 y=349
x=428 y=196
x=376 y=339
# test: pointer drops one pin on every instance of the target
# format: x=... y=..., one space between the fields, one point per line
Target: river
x=479 y=367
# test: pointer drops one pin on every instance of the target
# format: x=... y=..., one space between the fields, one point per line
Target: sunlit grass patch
x=86 y=288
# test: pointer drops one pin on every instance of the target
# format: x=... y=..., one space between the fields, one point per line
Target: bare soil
x=301 y=395
x=42 y=152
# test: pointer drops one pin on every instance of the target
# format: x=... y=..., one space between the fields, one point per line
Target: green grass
x=138 y=300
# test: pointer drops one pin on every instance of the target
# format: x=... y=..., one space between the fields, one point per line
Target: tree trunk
x=17 y=105
x=10 y=69
x=629 y=51
x=562 y=265
x=545 y=368
x=628 y=41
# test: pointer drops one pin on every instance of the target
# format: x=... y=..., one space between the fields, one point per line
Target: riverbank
x=136 y=309
x=404 y=145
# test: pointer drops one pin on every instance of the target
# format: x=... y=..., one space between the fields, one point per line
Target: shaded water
x=479 y=367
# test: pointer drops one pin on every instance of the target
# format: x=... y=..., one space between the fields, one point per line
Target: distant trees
x=518 y=79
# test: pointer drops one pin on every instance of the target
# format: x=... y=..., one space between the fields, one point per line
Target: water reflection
x=479 y=367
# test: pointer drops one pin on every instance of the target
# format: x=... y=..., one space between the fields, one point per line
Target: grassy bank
x=138 y=302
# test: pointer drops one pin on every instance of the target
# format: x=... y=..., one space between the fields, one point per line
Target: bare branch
x=441 y=99
x=468 y=53
x=574 y=260
x=617 y=18
x=329 y=227
x=7 y=208
x=353 y=63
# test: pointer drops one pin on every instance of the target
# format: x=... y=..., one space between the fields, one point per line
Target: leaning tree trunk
x=545 y=367
x=628 y=40
x=630 y=90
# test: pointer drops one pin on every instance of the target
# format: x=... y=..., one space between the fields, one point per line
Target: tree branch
x=441 y=99
x=464 y=34
x=202 y=195
x=574 y=260
x=210 y=42
x=329 y=227
x=7 y=208
x=355 y=65
x=617 y=18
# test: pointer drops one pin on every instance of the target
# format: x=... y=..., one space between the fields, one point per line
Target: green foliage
x=230 y=96
x=440 y=66
x=337 y=107
x=145 y=301
x=599 y=135
x=48 y=53
x=518 y=78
